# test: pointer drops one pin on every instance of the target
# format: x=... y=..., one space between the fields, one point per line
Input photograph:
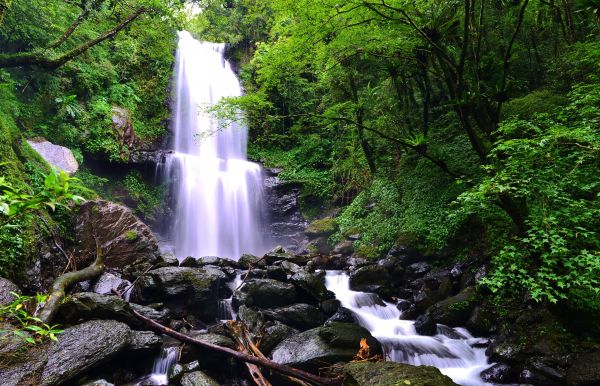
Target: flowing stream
x=453 y=350
x=217 y=191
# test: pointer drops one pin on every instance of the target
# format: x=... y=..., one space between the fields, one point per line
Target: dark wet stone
x=393 y=374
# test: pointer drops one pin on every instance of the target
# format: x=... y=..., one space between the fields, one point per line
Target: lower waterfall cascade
x=451 y=350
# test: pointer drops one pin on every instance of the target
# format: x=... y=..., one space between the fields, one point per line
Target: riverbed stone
x=197 y=378
x=6 y=287
x=107 y=282
x=393 y=374
x=273 y=335
x=369 y=278
x=320 y=346
x=453 y=311
x=89 y=305
x=194 y=290
x=122 y=237
x=268 y=293
x=311 y=284
x=208 y=357
x=300 y=316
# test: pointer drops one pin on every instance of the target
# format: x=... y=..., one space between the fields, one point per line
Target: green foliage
x=551 y=162
x=73 y=105
x=54 y=191
x=30 y=329
x=148 y=198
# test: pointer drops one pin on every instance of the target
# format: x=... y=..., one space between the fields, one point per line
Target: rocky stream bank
x=282 y=300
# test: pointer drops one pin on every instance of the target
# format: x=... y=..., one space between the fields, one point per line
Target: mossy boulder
x=315 y=348
x=183 y=289
x=393 y=374
x=123 y=238
x=301 y=316
x=453 y=311
x=323 y=227
x=268 y=293
x=197 y=378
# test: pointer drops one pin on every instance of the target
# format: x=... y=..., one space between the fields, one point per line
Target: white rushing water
x=217 y=191
x=451 y=351
x=159 y=376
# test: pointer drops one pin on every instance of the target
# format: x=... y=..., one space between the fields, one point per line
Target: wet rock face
x=197 y=378
x=453 y=311
x=79 y=348
x=393 y=374
x=330 y=344
x=184 y=289
x=269 y=293
x=282 y=204
x=122 y=237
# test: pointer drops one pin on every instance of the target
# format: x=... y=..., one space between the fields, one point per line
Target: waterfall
x=217 y=192
x=454 y=351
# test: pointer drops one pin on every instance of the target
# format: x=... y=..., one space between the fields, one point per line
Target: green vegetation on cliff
x=90 y=75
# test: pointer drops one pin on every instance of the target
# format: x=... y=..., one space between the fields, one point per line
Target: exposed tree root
x=64 y=281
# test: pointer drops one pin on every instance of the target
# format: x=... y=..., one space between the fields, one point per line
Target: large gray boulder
x=301 y=316
x=369 y=278
x=181 y=288
x=122 y=237
x=320 y=346
x=269 y=293
x=57 y=156
x=6 y=287
x=78 y=349
x=393 y=374
x=89 y=305
x=197 y=378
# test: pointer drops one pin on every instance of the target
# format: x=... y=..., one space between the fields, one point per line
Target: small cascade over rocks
x=452 y=350
x=217 y=192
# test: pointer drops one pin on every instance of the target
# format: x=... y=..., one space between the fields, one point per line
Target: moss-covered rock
x=393 y=374
x=320 y=346
x=453 y=311
x=322 y=227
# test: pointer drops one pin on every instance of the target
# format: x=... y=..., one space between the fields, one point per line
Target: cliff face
x=286 y=222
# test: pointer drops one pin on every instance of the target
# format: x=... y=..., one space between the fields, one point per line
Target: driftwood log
x=263 y=362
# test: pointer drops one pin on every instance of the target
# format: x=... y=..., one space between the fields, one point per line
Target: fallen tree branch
x=296 y=373
x=64 y=281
